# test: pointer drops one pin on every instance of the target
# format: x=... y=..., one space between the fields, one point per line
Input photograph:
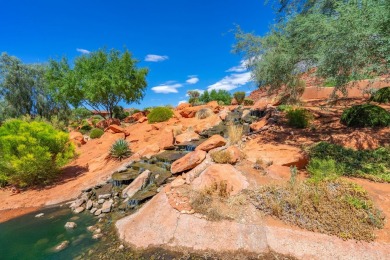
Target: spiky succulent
x=120 y=149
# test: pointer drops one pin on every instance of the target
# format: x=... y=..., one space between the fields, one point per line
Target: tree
x=194 y=96
x=349 y=41
x=205 y=97
x=99 y=80
x=221 y=95
x=23 y=89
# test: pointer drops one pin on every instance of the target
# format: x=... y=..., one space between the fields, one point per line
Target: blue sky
x=186 y=44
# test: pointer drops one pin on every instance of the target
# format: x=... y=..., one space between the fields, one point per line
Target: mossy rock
x=366 y=115
x=381 y=96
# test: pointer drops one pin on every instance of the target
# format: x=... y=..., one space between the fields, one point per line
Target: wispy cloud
x=155 y=58
x=239 y=68
x=182 y=101
x=192 y=80
x=232 y=81
x=83 y=51
x=167 y=88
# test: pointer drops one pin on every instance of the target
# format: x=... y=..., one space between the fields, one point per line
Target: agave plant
x=120 y=149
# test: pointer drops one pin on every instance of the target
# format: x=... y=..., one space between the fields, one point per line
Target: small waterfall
x=189 y=148
x=132 y=203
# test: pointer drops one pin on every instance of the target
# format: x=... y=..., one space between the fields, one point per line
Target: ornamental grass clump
x=160 y=114
x=96 y=133
x=204 y=113
x=366 y=115
x=120 y=150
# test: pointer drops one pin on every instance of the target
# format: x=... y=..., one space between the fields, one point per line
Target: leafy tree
x=23 y=90
x=239 y=96
x=205 y=97
x=120 y=113
x=194 y=96
x=32 y=152
x=342 y=39
x=221 y=95
x=99 y=80
x=80 y=113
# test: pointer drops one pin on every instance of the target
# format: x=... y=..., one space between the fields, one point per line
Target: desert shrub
x=284 y=108
x=366 y=115
x=159 y=114
x=335 y=207
x=85 y=128
x=221 y=156
x=235 y=133
x=239 y=96
x=248 y=102
x=322 y=169
x=96 y=133
x=194 y=97
x=381 y=96
x=204 y=113
x=222 y=96
x=298 y=118
x=119 y=113
x=31 y=153
x=95 y=121
x=120 y=149
x=368 y=164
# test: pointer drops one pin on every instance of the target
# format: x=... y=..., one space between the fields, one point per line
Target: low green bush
x=239 y=96
x=160 y=114
x=284 y=108
x=323 y=169
x=366 y=115
x=31 y=153
x=85 y=129
x=298 y=118
x=248 y=102
x=368 y=164
x=381 y=96
x=96 y=133
x=120 y=149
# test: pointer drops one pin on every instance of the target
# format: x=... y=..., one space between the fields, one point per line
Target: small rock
x=89 y=205
x=93 y=210
x=95 y=204
x=106 y=206
x=97 y=231
x=79 y=210
x=101 y=215
x=97 y=236
x=121 y=247
x=101 y=201
x=61 y=246
x=70 y=225
x=98 y=212
x=78 y=202
x=39 y=215
x=104 y=196
x=91 y=228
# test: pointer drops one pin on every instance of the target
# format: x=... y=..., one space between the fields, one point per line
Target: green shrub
x=284 y=108
x=159 y=114
x=381 y=96
x=239 y=96
x=85 y=128
x=119 y=113
x=365 y=115
x=204 y=113
x=322 y=169
x=32 y=152
x=120 y=149
x=298 y=118
x=368 y=164
x=96 y=133
x=248 y=102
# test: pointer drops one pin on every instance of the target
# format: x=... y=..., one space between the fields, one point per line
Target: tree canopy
x=99 y=80
x=344 y=40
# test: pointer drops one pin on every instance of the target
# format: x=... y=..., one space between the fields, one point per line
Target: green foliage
x=194 y=97
x=120 y=149
x=365 y=115
x=32 y=152
x=239 y=96
x=248 y=102
x=369 y=164
x=221 y=95
x=24 y=91
x=80 y=113
x=298 y=118
x=99 y=80
x=205 y=97
x=322 y=169
x=96 y=133
x=350 y=39
x=85 y=128
x=119 y=113
x=382 y=95
x=285 y=108
x=159 y=114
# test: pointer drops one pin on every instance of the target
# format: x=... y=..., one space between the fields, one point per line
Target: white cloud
x=83 y=51
x=192 y=80
x=167 y=88
x=232 y=81
x=240 y=68
x=182 y=101
x=155 y=58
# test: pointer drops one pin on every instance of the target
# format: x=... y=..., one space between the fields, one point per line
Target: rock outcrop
x=188 y=161
x=211 y=143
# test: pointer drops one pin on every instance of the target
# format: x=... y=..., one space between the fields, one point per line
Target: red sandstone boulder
x=235 y=154
x=103 y=124
x=117 y=129
x=166 y=139
x=77 y=138
x=189 y=161
x=218 y=174
x=223 y=114
x=183 y=105
x=256 y=126
x=211 y=143
x=188 y=112
x=142 y=119
x=188 y=136
x=134 y=117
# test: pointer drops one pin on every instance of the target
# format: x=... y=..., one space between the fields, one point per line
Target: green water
x=28 y=237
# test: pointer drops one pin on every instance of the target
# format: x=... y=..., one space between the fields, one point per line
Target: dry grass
x=235 y=133
x=222 y=156
x=204 y=113
x=335 y=207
